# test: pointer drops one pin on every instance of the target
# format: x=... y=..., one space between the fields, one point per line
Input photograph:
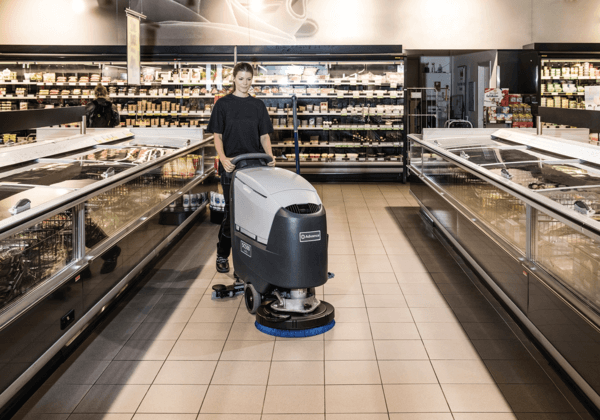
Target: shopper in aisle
x=240 y=124
x=101 y=112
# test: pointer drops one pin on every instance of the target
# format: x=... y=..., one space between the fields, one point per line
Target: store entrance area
x=416 y=338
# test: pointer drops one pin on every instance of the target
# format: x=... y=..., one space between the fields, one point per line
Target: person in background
x=240 y=124
x=101 y=112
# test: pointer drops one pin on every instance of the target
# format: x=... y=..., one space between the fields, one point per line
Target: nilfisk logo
x=310 y=236
x=246 y=248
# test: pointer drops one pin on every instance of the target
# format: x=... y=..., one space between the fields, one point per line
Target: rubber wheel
x=252 y=298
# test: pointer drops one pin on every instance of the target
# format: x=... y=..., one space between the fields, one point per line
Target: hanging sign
x=133 y=46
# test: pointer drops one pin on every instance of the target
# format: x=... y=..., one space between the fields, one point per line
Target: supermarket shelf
x=341 y=145
x=569 y=78
x=581 y=118
x=341 y=163
x=563 y=94
x=212 y=83
x=332 y=128
x=333 y=96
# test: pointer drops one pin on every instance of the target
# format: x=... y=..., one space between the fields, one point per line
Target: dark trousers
x=224 y=245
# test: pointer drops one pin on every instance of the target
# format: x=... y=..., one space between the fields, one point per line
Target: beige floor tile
x=407 y=372
x=477 y=398
x=162 y=314
x=400 y=350
x=339 y=288
x=130 y=372
x=112 y=399
x=408 y=277
x=370 y=250
x=197 y=350
x=243 y=316
x=294 y=399
x=378 y=278
x=189 y=300
x=206 y=331
x=296 y=373
x=451 y=350
x=426 y=301
x=351 y=315
x=228 y=417
x=341 y=267
x=79 y=372
x=349 y=350
x=241 y=373
x=462 y=372
x=383 y=301
x=420 y=289
x=381 y=289
x=99 y=348
x=346 y=372
x=207 y=302
x=55 y=399
x=354 y=399
x=159 y=331
x=362 y=416
x=442 y=331
x=248 y=331
x=213 y=315
x=186 y=372
x=248 y=350
x=145 y=350
x=395 y=331
x=298 y=350
x=373 y=264
x=340 y=247
x=423 y=416
x=349 y=331
x=387 y=315
x=416 y=398
x=292 y=417
x=173 y=399
x=505 y=416
x=98 y=416
x=365 y=243
x=408 y=263
x=422 y=315
x=234 y=399
x=345 y=301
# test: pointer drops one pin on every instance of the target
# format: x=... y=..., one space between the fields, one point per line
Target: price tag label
x=184 y=114
x=379 y=96
x=31 y=96
x=147 y=83
x=393 y=94
x=340 y=95
x=82 y=84
x=104 y=83
x=584 y=77
x=369 y=96
x=545 y=77
x=325 y=128
x=142 y=94
x=353 y=82
x=120 y=83
x=172 y=94
x=554 y=93
x=173 y=112
x=72 y=84
x=355 y=94
x=186 y=97
x=164 y=114
x=53 y=97
x=178 y=96
x=344 y=114
x=393 y=85
x=40 y=84
x=57 y=83
x=337 y=81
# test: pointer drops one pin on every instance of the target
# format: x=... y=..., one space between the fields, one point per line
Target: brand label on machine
x=246 y=248
x=310 y=236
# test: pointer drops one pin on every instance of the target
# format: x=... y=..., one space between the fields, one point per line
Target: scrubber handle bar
x=252 y=156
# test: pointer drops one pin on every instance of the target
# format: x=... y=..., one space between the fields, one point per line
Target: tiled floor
x=414 y=340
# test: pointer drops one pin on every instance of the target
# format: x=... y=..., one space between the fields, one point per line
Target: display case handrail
x=571 y=218
x=36 y=215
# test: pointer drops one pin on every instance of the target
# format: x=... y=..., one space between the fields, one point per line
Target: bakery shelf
x=327 y=146
x=563 y=94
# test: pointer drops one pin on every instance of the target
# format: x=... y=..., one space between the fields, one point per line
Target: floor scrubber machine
x=279 y=248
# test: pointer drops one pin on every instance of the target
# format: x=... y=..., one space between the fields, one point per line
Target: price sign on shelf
x=393 y=85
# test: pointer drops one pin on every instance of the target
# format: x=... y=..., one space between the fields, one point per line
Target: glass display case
x=522 y=209
x=76 y=228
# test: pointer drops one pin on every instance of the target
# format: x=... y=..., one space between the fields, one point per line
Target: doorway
x=483 y=82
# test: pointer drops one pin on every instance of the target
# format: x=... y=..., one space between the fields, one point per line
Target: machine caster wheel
x=252 y=298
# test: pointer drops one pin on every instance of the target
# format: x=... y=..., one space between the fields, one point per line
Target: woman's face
x=243 y=81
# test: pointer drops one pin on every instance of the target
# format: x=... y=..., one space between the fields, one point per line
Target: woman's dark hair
x=100 y=91
x=241 y=67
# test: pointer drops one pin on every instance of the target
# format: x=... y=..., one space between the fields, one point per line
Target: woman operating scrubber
x=240 y=124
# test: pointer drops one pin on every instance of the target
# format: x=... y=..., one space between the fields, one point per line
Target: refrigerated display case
x=80 y=218
x=521 y=209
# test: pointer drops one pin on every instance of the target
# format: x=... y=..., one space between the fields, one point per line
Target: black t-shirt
x=241 y=121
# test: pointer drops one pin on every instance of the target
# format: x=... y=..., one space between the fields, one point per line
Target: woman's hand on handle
x=226 y=162
x=272 y=163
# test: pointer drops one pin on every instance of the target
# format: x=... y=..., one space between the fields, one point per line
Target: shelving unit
x=362 y=77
